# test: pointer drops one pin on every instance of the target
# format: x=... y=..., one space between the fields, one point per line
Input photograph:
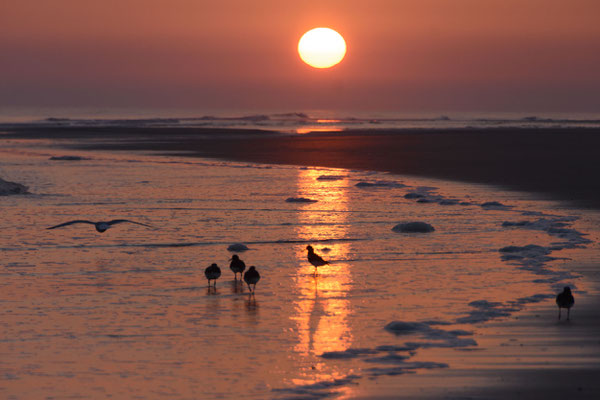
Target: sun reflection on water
x=322 y=310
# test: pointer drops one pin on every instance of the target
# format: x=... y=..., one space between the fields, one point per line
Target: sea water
x=128 y=313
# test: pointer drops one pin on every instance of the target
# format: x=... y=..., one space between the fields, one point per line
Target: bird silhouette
x=315 y=259
x=565 y=300
x=251 y=277
x=236 y=266
x=101 y=226
x=212 y=273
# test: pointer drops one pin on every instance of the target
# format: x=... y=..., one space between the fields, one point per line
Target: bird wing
x=77 y=221
x=317 y=258
x=118 y=221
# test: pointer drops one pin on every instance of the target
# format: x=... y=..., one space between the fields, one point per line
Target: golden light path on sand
x=322 y=313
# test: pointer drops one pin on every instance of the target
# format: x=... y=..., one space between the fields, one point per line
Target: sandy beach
x=528 y=345
x=557 y=163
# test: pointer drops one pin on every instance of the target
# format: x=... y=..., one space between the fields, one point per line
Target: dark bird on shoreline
x=251 y=277
x=565 y=300
x=315 y=259
x=101 y=226
x=236 y=266
x=212 y=273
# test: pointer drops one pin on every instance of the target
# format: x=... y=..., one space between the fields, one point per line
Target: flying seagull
x=101 y=226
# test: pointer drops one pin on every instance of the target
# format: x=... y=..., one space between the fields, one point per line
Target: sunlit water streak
x=127 y=313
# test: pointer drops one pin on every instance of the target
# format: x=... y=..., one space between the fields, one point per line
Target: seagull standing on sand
x=236 y=266
x=101 y=226
x=251 y=277
x=565 y=300
x=212 y=273
x=315 y=259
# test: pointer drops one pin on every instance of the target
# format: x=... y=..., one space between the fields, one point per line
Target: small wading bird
x=251 y=277
x=212 y=273
x=565 y=300
x=236 y=266
x=101 y=226
x=315 y=259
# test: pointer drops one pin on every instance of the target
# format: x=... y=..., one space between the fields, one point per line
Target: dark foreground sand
x=562 y=164
x=529 y=355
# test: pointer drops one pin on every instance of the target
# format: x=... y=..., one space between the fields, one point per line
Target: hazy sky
x=404 y=55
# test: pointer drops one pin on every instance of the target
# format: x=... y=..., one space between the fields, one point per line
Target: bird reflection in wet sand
x=237 y=286
x=237 y=265
x=251 y=305
x=100 y=226
x=315 y=259
x=565 y=300
x=213 y=272
x=251 y=277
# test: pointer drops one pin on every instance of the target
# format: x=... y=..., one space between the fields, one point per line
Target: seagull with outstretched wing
x=101 y=226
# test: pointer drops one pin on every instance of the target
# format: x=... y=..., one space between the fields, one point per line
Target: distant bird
x=315 y=259
x=565 y=300
x=251 y=277
x=101 y=226
x=212 y=273
x=236 y=266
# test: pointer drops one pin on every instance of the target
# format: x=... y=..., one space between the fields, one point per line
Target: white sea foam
x=330 y=177
x=10 y=188
x=237 y=247
x=379 y=184
x=300 y=200
x=413 y=227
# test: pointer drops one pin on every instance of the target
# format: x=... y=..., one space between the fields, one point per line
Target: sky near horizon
x=412 y=55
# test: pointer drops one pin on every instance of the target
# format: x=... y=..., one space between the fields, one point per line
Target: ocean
x=294 y=122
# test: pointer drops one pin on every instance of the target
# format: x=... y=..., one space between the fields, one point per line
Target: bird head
x=309 y=248
x=234 y=257
x=251 y=268
x=567 y=289
x=213 y=265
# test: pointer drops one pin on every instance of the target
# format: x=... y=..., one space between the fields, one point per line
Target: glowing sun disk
x=322 y=48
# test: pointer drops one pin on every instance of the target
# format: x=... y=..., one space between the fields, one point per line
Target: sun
x=322 y=48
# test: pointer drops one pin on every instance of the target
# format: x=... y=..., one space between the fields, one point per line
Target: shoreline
x=557 y=164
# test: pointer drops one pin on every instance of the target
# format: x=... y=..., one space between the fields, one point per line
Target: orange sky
x=413 y=55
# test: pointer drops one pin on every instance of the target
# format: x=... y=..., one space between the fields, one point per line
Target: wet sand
x=528 y=355
x=560 y=164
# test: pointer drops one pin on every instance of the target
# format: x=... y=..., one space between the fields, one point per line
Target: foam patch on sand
x=317 y=390
x=9 y=188
x=427 y=194
x=237 y=247
x=484 y=310
x=299 y=200
x=434 y=337
x=534 y=257
x=379 y=184
x=67 y=158
x=409 y=367
x=495 y=205
x=413 y=227
x=330 y=177
x=346 y=354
